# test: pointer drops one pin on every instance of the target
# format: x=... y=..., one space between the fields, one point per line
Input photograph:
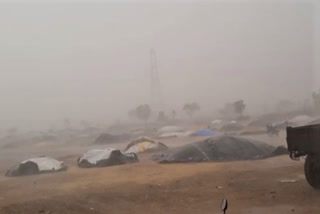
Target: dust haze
x=91 y=61
x=173 y=105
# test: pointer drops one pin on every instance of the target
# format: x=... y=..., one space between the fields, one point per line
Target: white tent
x=46 y=164
x=35 y=166
x=175 y=134
x=105 y=157
x=95 y=155
x=300 y=120
x=167 y=129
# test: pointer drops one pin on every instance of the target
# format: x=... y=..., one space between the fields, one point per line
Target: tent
x=105 y=157
x=167 y=129
x=216 y=124
x=220 y=148
x=204 y=132
x=36 y=166
x=314 y=122
x=232 y=127
x=144 y=144
x=300 y=120
x=175 y=134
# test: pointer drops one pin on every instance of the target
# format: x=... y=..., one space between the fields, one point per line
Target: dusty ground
x=146 y=187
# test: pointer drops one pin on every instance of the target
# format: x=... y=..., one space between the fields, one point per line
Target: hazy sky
x=91 y=60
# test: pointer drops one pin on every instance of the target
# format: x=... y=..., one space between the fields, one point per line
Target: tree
x=191 y=108
x=239 y=107
x=141 y=112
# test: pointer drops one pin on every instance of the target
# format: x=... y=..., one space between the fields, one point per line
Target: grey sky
x=91 y=60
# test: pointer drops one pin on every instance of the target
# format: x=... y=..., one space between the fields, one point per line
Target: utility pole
x=155 y=89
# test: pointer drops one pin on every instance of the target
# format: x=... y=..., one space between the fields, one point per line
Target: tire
x=312 y=171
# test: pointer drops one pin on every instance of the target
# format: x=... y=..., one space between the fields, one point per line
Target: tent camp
x=220 y=148
x=105 y=157
x=144 y=144
x=204 y=132
x=36 y=166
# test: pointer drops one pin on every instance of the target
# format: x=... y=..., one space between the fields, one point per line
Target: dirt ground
x=147 y=187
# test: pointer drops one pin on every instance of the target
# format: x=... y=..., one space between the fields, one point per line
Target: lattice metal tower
x=155 y=88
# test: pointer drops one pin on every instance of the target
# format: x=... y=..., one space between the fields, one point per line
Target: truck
x=304 y=141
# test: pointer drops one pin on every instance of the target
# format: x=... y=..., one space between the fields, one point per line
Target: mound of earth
x=220 y=148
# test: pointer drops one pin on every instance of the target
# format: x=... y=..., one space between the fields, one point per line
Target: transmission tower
x=155 y=89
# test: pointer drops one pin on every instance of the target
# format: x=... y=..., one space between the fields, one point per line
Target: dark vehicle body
x=305 y=141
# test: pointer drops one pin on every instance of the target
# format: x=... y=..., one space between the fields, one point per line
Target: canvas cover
x=167 y=129
x=45 y=163
x=35 y=166
x=221 y=148
x=144 y=144
x=105 y=157
x=175 y=134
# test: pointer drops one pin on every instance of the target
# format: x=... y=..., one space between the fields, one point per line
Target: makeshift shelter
x=263 y=120
x=204 y=132
x=221 y=148
x=232 y=127
x=36 y=166
x=216 y=121
x=107 y=138
x=144 y=144
x=314 y=122
x=105 y=157
x=167 y=129
x=216 y=124
x=174 y=134
x=300 y=120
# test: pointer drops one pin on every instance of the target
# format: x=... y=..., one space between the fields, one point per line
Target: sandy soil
x=146 y=187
